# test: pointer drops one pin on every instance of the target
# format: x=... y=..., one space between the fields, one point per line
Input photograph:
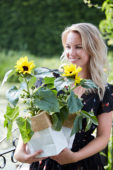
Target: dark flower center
x=70 y=71
x=25 y=68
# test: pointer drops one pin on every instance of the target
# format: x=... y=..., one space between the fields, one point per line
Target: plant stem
x=30 y=96
x=27 y=85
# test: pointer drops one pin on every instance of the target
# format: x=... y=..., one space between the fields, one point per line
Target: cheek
x=86 y=58
x=85 y=55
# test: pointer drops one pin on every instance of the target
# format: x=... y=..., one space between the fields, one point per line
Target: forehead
x=73 y=38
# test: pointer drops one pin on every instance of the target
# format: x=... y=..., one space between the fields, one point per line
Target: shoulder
x=92 y=101
x=109 y=89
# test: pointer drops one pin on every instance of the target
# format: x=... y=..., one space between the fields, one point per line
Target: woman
x=83 y=46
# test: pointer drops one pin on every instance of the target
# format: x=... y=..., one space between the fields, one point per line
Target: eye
x=68 y=47
x=78 y=47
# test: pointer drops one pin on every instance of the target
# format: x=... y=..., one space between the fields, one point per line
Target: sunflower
x=24 y=66
x=77 y=79
x=71 y=70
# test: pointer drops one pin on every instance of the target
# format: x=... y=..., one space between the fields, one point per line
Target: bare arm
x=100 y=142
x=95 y=146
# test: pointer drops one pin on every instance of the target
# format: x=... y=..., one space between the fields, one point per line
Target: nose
x=72 y=52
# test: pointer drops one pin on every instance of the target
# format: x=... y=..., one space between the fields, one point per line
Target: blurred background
x=33 y=28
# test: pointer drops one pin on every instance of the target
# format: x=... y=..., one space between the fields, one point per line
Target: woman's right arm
x=23 y=155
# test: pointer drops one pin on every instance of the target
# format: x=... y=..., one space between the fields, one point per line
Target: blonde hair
x=93 y=43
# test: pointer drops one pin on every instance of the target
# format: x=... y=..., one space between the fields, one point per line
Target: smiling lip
x=74 y=59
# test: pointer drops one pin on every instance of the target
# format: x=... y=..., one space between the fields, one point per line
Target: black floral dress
x=91 y=103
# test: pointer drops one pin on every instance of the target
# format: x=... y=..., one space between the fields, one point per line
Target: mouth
x=74 y=59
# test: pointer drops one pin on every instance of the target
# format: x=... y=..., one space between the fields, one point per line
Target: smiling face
x=75 y=52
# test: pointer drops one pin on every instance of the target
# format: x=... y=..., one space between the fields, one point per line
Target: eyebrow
x=75 y=45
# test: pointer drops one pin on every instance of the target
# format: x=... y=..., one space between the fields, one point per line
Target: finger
x=54 y=157
x=36 y=153
x=38 y=159
x=30 y=160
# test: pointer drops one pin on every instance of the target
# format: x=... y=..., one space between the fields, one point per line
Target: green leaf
x=10 y=116
x=43 y=72
x=49 y=81
x=88 y=83
x=88 y=125
x=103 y=154
x=57 y=123
x=61 y=82
x=28 y=77
x=59 y=117
x=13 y=95
x=74 y=103
x=24 y=126
x=32 y=81
x=90 y=115
x=9 y=129
x=63 y=114
x=20 y=79
x=54 y=91
x=50 y=86
x=77 y=124
x=11 y=112
x=7 y=75
x=23 y=86
x=46 y=100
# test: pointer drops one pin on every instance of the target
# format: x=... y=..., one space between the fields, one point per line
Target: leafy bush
x=37 y=25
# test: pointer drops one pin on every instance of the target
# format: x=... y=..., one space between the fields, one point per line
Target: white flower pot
x=52 y=142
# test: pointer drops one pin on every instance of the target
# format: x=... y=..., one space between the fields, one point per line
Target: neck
x=85 y=74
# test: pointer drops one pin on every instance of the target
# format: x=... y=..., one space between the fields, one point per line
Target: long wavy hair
x=93 y=43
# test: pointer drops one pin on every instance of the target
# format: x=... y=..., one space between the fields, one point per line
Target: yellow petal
x=24 y=66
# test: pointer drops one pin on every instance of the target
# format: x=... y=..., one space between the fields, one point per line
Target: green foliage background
x=36 y=25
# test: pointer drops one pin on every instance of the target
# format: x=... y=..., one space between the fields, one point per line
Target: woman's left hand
x=65 y=157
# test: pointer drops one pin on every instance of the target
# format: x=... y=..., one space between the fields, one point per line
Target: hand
x=65 y=157
x=30 y=158
x=22 y=154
